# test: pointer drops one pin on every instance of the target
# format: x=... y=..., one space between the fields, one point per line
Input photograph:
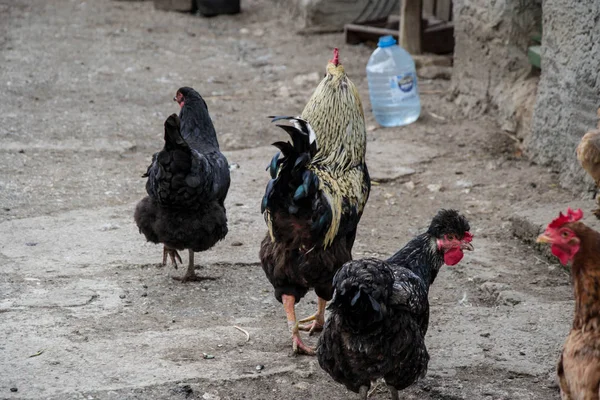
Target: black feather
x=187 y=182
x=380 y=312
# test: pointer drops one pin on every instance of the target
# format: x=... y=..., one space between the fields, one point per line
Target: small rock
x=144 y=294
x=258 y=32
x=109 y=227
x=434 y=187
x=244 y=31
x=491 y=166
x=392 y=174
x=260 y=367
x=208 y=396
x=462 y=183
x=31 y=244
x=122 y=296
x=410 y=185
x=522 y=352
x=302 y=385
x=207 y=356
x=14 y=389
x=486 y=334
x=145 y=286
x=283 y=91
x=237 y=244
x=372 y=128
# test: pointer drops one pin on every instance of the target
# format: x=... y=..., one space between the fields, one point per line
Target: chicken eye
x=451 y=236
x=565 y=234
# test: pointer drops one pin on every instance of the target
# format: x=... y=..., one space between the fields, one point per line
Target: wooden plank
x=410 y=26
x=356 y=34
x=437 y=39
x=443 y=10
x=428 y=8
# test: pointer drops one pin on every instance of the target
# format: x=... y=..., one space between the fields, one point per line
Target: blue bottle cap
x=386 y=41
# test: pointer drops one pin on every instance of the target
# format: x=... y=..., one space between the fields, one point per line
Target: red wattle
x=453 y=256
x=563 y=256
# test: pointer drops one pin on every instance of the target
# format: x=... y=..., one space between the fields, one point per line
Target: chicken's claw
x=315 y=326
x=172 y=254
x=299 y=347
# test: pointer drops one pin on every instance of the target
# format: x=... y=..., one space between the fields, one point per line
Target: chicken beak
x=543 y=238
x=466 y=246
x=175 y=99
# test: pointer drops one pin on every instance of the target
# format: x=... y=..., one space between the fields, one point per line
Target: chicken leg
x=190 y=274
x=318 y=318
x=289 y=305
x=393 y=392
x=171 y=253
x=363 y=392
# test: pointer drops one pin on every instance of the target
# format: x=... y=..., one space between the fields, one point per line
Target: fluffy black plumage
x=298 y=214
x=380 y=311
x=188 y=181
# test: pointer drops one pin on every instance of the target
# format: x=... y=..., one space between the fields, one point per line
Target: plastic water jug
x=393 y=86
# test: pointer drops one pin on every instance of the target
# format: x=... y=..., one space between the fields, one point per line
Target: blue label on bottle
x=403 y=86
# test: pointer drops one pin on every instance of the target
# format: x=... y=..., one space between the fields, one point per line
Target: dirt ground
x=85 y=311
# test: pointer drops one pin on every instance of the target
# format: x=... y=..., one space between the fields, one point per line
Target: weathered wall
x=491 y=70
x=569 y=90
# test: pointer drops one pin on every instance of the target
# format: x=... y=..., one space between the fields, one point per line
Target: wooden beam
x=428 y=8
x=410 y=26
x=443 y=10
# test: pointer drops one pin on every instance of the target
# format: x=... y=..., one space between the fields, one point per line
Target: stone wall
x=491 y=70
x=569 y=90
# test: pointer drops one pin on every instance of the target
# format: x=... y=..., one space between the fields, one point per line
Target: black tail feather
x=292 y=184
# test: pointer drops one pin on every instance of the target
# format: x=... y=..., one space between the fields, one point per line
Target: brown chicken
x=579 y=365
x=588 y=155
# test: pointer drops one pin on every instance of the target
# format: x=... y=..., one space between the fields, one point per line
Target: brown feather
x=578 y=369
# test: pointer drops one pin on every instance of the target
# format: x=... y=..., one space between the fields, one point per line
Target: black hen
x=380 y=311
x=187 y=184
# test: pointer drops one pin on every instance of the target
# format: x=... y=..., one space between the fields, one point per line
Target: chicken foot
x=363 y=392
x=318 y=319
x=173 y=254
x=289 y=305
x=190 y=274
x=393 y=392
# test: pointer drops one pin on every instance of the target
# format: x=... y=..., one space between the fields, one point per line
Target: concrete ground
x=86 y=311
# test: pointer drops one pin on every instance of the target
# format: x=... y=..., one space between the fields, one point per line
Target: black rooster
x=187 y=184
x=380 y=311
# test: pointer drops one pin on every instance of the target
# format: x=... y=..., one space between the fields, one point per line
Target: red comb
x=336 y=57
x=562 y=219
